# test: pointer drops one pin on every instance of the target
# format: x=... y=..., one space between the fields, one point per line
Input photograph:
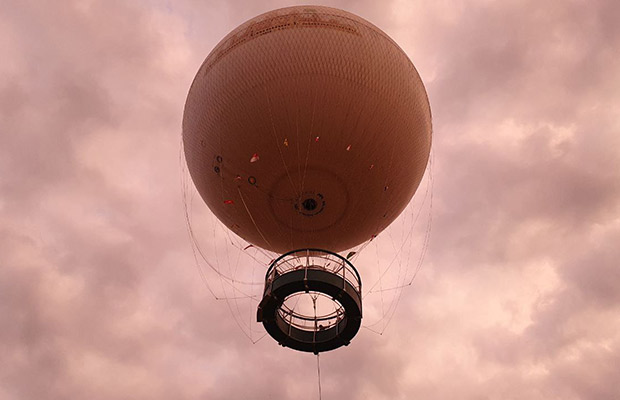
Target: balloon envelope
x=307 y=127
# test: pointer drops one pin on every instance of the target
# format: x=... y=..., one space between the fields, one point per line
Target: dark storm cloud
x=518 y=296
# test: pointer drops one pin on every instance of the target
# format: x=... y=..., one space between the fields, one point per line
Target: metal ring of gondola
x=318 y=272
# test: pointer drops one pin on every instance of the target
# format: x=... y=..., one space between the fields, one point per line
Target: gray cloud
x=518 y=295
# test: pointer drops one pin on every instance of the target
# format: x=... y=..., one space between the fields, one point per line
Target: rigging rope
x=318 y=369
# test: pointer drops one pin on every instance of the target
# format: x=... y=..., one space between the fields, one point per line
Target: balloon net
x=233 y=270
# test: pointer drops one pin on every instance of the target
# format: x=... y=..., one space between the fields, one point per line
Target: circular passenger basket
x=312 y=301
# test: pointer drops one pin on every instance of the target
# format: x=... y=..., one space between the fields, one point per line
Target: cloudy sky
x=519 y=293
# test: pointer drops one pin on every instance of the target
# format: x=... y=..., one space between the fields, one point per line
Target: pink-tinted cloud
x=517 y=297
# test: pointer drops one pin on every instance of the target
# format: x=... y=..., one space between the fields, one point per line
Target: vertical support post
x=290 y=322
x=315 y=323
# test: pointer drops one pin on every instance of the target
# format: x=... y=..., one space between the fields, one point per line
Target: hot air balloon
x=307 y=131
